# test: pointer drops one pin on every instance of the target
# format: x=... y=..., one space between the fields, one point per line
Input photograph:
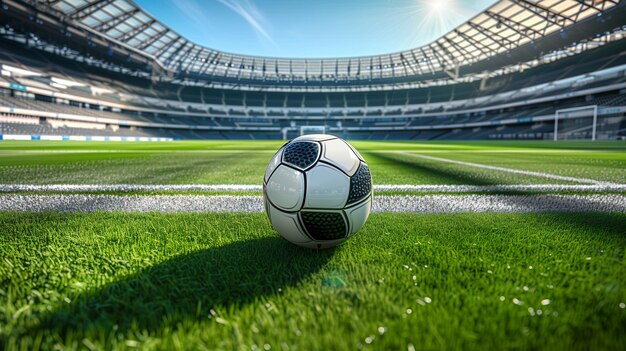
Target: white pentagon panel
x=354 y=150
x=285 y=188
x=273 y=164
x=287 y=225
x=357 y=216
x=315 y=137
x=340 y=155
x=326 y=187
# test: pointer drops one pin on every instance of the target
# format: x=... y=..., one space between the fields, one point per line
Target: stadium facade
x=106 y=69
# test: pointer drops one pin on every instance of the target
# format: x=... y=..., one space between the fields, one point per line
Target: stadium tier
x=78 y=68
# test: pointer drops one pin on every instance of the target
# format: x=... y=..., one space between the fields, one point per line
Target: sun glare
x=438 y=6
x=434 y=18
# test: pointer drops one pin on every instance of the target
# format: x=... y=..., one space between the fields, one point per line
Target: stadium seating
x=515 y=103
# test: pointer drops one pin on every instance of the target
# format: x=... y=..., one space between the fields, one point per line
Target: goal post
x=312 y=130
x=576 y=118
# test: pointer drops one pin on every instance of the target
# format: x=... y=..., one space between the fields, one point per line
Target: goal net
x=577 y=123
x=312 y=130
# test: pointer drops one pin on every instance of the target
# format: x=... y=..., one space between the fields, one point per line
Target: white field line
x=511 y=170
x=257 y=151
x=490 y=151
x=155 y=151
x=412 y=204
x=62 y=188
x=500 y=188
x=69 y=188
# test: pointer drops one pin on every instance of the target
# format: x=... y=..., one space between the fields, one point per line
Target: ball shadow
x=189 y=286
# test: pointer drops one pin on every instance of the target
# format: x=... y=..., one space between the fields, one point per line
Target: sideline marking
x=69 y=188
x=501 y=188
x=231 y=203
x=512 y=170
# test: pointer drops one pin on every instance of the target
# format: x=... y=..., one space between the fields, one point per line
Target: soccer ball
x=317 y=191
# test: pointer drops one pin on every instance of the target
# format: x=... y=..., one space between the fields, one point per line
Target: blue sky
x=313 y=28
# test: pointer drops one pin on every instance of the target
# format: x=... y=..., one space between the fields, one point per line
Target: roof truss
x=504 y=26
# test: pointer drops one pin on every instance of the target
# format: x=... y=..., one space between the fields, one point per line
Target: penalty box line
x=69 y=188
x=511 y=170
x=232 y=203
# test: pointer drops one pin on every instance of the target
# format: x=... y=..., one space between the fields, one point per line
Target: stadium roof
x=504 y=26
x=508 y=33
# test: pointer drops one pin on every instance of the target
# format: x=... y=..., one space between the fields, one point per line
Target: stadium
x=132 y=187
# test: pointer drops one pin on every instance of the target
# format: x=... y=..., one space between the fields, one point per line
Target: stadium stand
x=72 y=67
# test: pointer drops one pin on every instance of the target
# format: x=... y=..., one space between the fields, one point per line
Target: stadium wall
x=78 y=138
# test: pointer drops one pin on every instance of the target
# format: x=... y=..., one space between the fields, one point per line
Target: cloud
x=251 y=14
x=193 y=11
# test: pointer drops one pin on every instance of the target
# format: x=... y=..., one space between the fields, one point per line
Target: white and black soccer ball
x=317 y=191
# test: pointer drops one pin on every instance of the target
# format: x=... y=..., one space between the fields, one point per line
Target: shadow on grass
x=413 y=164
x=189 y=286
x=455 y=177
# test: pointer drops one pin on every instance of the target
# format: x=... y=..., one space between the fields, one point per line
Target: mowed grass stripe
x=244 y=162
x=232 y=203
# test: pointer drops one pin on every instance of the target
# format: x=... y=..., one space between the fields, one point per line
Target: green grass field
x=219 y=162
x=471 y=281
